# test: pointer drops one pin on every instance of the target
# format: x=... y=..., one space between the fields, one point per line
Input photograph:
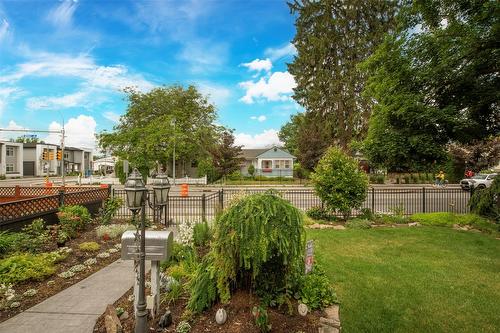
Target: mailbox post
x=158 y=247
x=137 y=197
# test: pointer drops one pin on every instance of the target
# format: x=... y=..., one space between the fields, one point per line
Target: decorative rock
x=338 y=227
x=332 y=312
x=111 y=321
x=165 y=320
x=329 y=322
x=328 y=329
x=413 y=224
x=124 y=316
x=221 y=316
x=303 y=310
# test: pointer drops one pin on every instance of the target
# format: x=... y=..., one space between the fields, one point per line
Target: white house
x=268 y=162
x=11 y=159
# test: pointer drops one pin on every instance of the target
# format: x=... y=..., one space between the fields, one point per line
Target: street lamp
x=137 y=196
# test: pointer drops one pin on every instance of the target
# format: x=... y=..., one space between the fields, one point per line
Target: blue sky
x=72 y=58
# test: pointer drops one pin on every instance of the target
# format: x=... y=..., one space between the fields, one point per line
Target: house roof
x=250 y=154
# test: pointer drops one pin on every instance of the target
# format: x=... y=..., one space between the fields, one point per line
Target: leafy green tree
x=333 y=37
x=339 y=182
x=312 y=141
x=159 y=119
x=486 y=202
x=435 y=81
x=226 y=156
x=251 y=170
x=289 y=133
x=206 y=168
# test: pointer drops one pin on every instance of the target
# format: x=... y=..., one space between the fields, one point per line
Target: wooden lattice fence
x=24 y=204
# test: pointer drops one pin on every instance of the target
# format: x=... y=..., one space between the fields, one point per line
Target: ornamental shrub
x=316 y=291
x=486 y=202
x=339 y=182
x=251 y=170
x=89 y=246
x=110 y=208
x=259 y=242
x=73 y=219
x=26 y=266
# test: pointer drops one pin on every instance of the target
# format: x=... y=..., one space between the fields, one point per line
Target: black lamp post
x=137 y=195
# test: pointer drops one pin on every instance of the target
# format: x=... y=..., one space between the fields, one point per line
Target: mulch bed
x=239 y=317
x=76 y=257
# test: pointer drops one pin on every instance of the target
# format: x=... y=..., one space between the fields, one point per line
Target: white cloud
x=275 y=88
x=203 y=55
x=80 y=132
x=260 y=118
x=280 y=52
x=62 y=15
x=66 y=101
x=4 y=29
x=217 y=94
x=265 y=139
x=11 y=135
x=111 y=116
x=259 y=65
x=42 y=64
x=6 y=93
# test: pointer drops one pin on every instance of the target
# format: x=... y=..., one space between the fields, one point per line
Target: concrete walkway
x=77 y=308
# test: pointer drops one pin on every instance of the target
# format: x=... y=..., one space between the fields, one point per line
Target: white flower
x=103 y=255
x=66 y=275
x=186 y=233
x=30 y=293
x=90 y=262
x=112 y=251
x=77 y=268
x=118 y=246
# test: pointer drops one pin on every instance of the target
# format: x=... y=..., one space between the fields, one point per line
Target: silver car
x=478 y=181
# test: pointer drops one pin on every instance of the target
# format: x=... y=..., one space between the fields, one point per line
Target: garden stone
x=111 y=321
x=165 y=320
x=338 y=227
x=302 y=308
x=124 y=316
x=329 y=322
x=221 y=316
x=413 y=224
x=15 y=305
x=332 y=312
x=328 y=329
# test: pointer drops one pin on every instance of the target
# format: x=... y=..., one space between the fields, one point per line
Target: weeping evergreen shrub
x=258 y=245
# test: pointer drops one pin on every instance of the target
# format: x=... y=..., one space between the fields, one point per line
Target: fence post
x=17 y=193
x=203 y=207
x=373 y=200
x=61 y=198
x=423 y=199
x=221 y=199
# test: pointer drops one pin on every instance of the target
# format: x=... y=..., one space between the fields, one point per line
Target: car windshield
x=479 y=177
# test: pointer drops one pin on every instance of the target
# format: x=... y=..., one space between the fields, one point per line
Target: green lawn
x=425 y=279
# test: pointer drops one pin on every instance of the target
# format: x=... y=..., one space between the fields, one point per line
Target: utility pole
x=63 y=173
x=173 y=162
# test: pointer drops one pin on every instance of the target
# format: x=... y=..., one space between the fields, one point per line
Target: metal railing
x=196 y=208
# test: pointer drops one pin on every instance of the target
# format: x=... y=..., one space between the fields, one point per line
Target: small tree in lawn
x=251 y=170
x=339 y=183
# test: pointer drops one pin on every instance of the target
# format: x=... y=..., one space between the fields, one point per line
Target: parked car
x=478 y=181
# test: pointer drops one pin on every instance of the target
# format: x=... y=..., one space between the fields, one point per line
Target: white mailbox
x=158 y=245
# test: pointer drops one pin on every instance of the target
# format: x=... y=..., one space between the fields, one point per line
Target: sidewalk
x=77 y=308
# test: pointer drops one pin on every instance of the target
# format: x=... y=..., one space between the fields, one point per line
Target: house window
x=9 y=167
x=267 y=164
x=66 y=155
x=10 y=151
x=287 y=164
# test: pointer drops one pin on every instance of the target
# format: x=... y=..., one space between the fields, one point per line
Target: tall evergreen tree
x=226 y=157
x=332 y=38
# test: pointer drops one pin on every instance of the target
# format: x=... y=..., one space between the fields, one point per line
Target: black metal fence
x=407 y=201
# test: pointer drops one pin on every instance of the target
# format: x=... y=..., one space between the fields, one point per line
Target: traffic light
x=59 y=154
x=45 y=154
x=51 y=155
